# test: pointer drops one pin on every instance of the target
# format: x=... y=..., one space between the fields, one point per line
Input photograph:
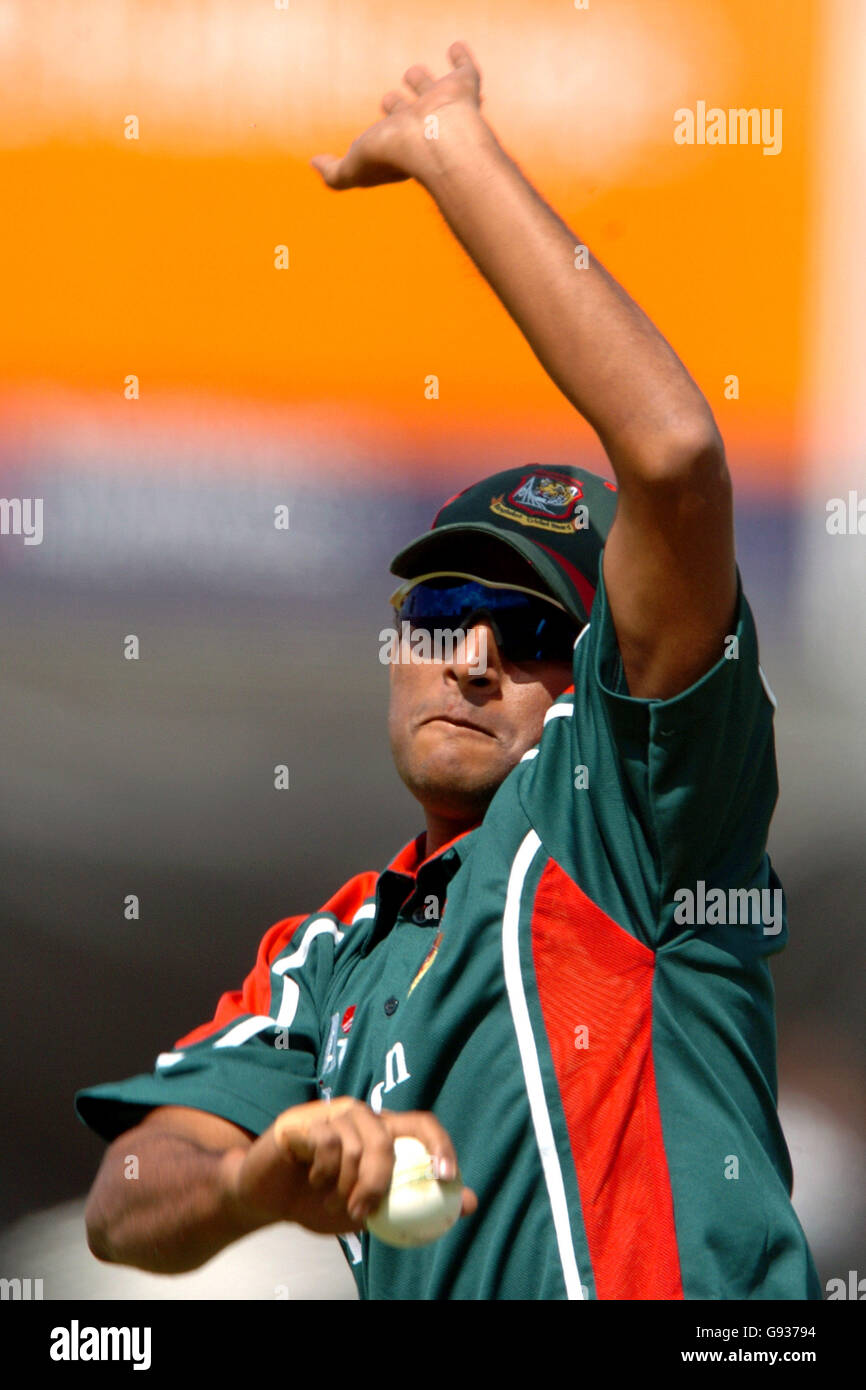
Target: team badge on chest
x=426 y=962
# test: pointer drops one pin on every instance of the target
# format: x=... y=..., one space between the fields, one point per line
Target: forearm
x=175 y=1214
x=598 y=346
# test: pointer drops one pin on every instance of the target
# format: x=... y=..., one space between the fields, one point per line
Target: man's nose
x=476 y=655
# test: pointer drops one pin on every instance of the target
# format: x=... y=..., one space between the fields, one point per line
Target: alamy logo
x=737 y=126
x=736 y=906
x=76 y=1343
x=846 y=518
x=854 y=1289
x=415 y=646
x=22 y=516
x=23 y=1289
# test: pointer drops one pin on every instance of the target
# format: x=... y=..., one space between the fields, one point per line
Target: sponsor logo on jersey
x=547 y=500
x=335 y=1048
x=396 y=1072
x=348 y=1018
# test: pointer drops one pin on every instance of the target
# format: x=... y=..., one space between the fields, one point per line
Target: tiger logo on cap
x=546 y=500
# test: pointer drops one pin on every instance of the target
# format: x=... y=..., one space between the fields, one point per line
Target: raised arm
x=669 y=560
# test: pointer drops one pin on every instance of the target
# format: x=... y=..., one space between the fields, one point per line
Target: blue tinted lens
x=442 y=600
x=526 y=628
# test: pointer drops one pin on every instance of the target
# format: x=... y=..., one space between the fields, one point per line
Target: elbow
x=693 y=458
x=97 y=1236
x=699 y=459
x=691 y=464
x=684 y=454
x=100 y=1214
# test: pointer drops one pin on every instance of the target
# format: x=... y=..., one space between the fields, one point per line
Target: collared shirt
x=578 y=988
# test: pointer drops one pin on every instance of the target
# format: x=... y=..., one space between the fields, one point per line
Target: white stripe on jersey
x=558 y=712
x=765 y=683
x=248 y=1027
x=354 y=1246
x=298 y=957
x=531 y=1067
x=168 y=1059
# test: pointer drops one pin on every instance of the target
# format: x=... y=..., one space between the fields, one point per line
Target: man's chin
x=455 y=789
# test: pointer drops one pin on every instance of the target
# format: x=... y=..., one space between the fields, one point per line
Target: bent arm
x=203 y=1182
x=669 y=562
x=592 y=339
x=669 y=565
x=178 y=1210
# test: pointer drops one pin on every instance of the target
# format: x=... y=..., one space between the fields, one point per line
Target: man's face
x=456 y=734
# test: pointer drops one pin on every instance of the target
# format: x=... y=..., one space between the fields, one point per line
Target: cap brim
x=489 y=552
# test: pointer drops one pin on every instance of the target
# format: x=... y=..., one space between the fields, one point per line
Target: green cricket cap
x=555 y=520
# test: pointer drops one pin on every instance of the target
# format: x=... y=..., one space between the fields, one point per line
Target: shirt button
x=391 y=1005
x=420 y=918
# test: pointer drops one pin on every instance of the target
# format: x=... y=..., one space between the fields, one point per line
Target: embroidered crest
x=546 y=499
x=427 y=962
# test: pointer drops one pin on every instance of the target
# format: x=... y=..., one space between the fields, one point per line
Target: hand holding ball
x=330 y=1189
x=418 y=1207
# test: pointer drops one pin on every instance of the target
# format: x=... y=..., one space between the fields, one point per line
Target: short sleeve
x=702 y=764
x=645 y=802
x=256 y=1057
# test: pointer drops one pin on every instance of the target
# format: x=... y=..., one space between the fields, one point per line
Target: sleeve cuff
x=698 y=701
x=112 y=1108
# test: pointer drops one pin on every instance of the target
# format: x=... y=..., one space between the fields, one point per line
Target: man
x=562 y=983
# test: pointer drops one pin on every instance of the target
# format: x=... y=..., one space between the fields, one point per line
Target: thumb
x=326 y=164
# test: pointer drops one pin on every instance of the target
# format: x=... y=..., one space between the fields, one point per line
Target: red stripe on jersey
x=346 y=901
x=592 y=974
x=255 y=995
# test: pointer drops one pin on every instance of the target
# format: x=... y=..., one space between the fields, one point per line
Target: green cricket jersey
x=579 y=990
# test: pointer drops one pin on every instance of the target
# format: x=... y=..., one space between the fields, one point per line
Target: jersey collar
x=411 y=859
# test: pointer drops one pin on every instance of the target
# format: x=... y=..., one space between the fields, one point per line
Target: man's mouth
x=457 y=722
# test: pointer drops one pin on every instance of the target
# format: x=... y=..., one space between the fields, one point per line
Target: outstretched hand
x=399 y=146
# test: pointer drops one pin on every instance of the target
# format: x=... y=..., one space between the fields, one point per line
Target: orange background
x=155 y=256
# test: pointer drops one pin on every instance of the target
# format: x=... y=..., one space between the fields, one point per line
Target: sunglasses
x=527 y=625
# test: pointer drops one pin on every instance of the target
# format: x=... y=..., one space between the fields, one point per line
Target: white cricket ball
x=418 y=1207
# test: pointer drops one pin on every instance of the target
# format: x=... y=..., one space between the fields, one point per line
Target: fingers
x=327 y=165
x=337 y=1146
x=460 y=56
x=419 y=78
x=389 y=151
x=292 y=1129
x=470 y=1202
x=393 y=101
x=421 y=1124
x=364 y=1186
x=348 y=1152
